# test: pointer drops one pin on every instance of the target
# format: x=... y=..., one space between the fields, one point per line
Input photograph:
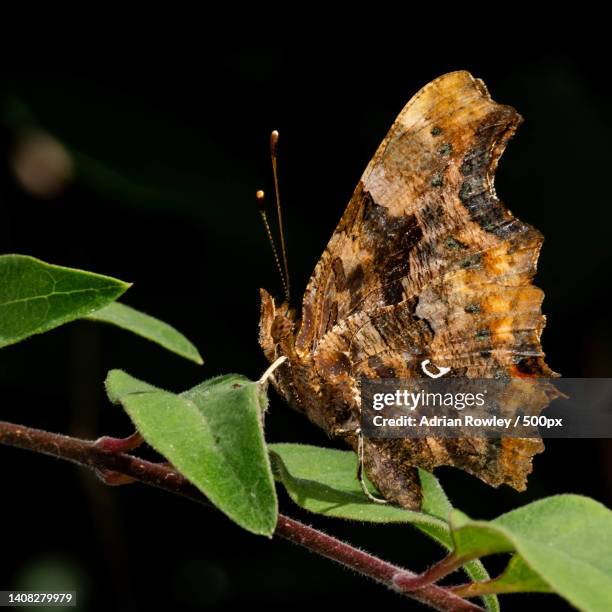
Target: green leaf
x=212 y=434
x=565 y=541
x=36 y=297
x=148 y=327
x=518 y=577
x=324 y=481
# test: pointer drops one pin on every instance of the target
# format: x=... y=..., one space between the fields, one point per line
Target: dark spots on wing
x=445 y=149
x=393 y=290
x=392 y=255
x=482 y=334
x=473 y=261
x=437 y=180
x=391 y=240
x=436 y=131
x=339 y=276
x=354 y=284
x=355 y=279
x=470 y=188
x=467 y=167
x=472 y=308
x=382 y=370
x=453 y=244
x=485 y=354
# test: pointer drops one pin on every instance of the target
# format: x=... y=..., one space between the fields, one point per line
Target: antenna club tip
x=274 y=140
x=260 y=197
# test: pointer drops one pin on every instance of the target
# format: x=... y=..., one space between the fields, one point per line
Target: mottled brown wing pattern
x=426 y=262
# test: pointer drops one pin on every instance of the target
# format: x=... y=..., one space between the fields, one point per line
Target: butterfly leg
x=360 y=471
x=341 y=432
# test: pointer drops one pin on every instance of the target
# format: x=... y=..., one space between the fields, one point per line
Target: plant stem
x=368 y=565
x=436 y=572
x=88 y=453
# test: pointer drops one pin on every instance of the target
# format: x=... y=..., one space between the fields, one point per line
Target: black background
x=170 y=148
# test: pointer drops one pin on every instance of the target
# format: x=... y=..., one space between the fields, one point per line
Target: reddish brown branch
x=436 y=572
x=96 y=456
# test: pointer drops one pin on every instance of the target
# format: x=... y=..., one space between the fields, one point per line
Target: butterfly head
x=277 y=326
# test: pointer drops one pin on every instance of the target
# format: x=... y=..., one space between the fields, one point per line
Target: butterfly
x=425 y=263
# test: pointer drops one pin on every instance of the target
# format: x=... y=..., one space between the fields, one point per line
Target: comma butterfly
x=426 y=263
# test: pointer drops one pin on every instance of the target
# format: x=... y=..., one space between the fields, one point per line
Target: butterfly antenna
x=274 y=157
x=260 y=197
